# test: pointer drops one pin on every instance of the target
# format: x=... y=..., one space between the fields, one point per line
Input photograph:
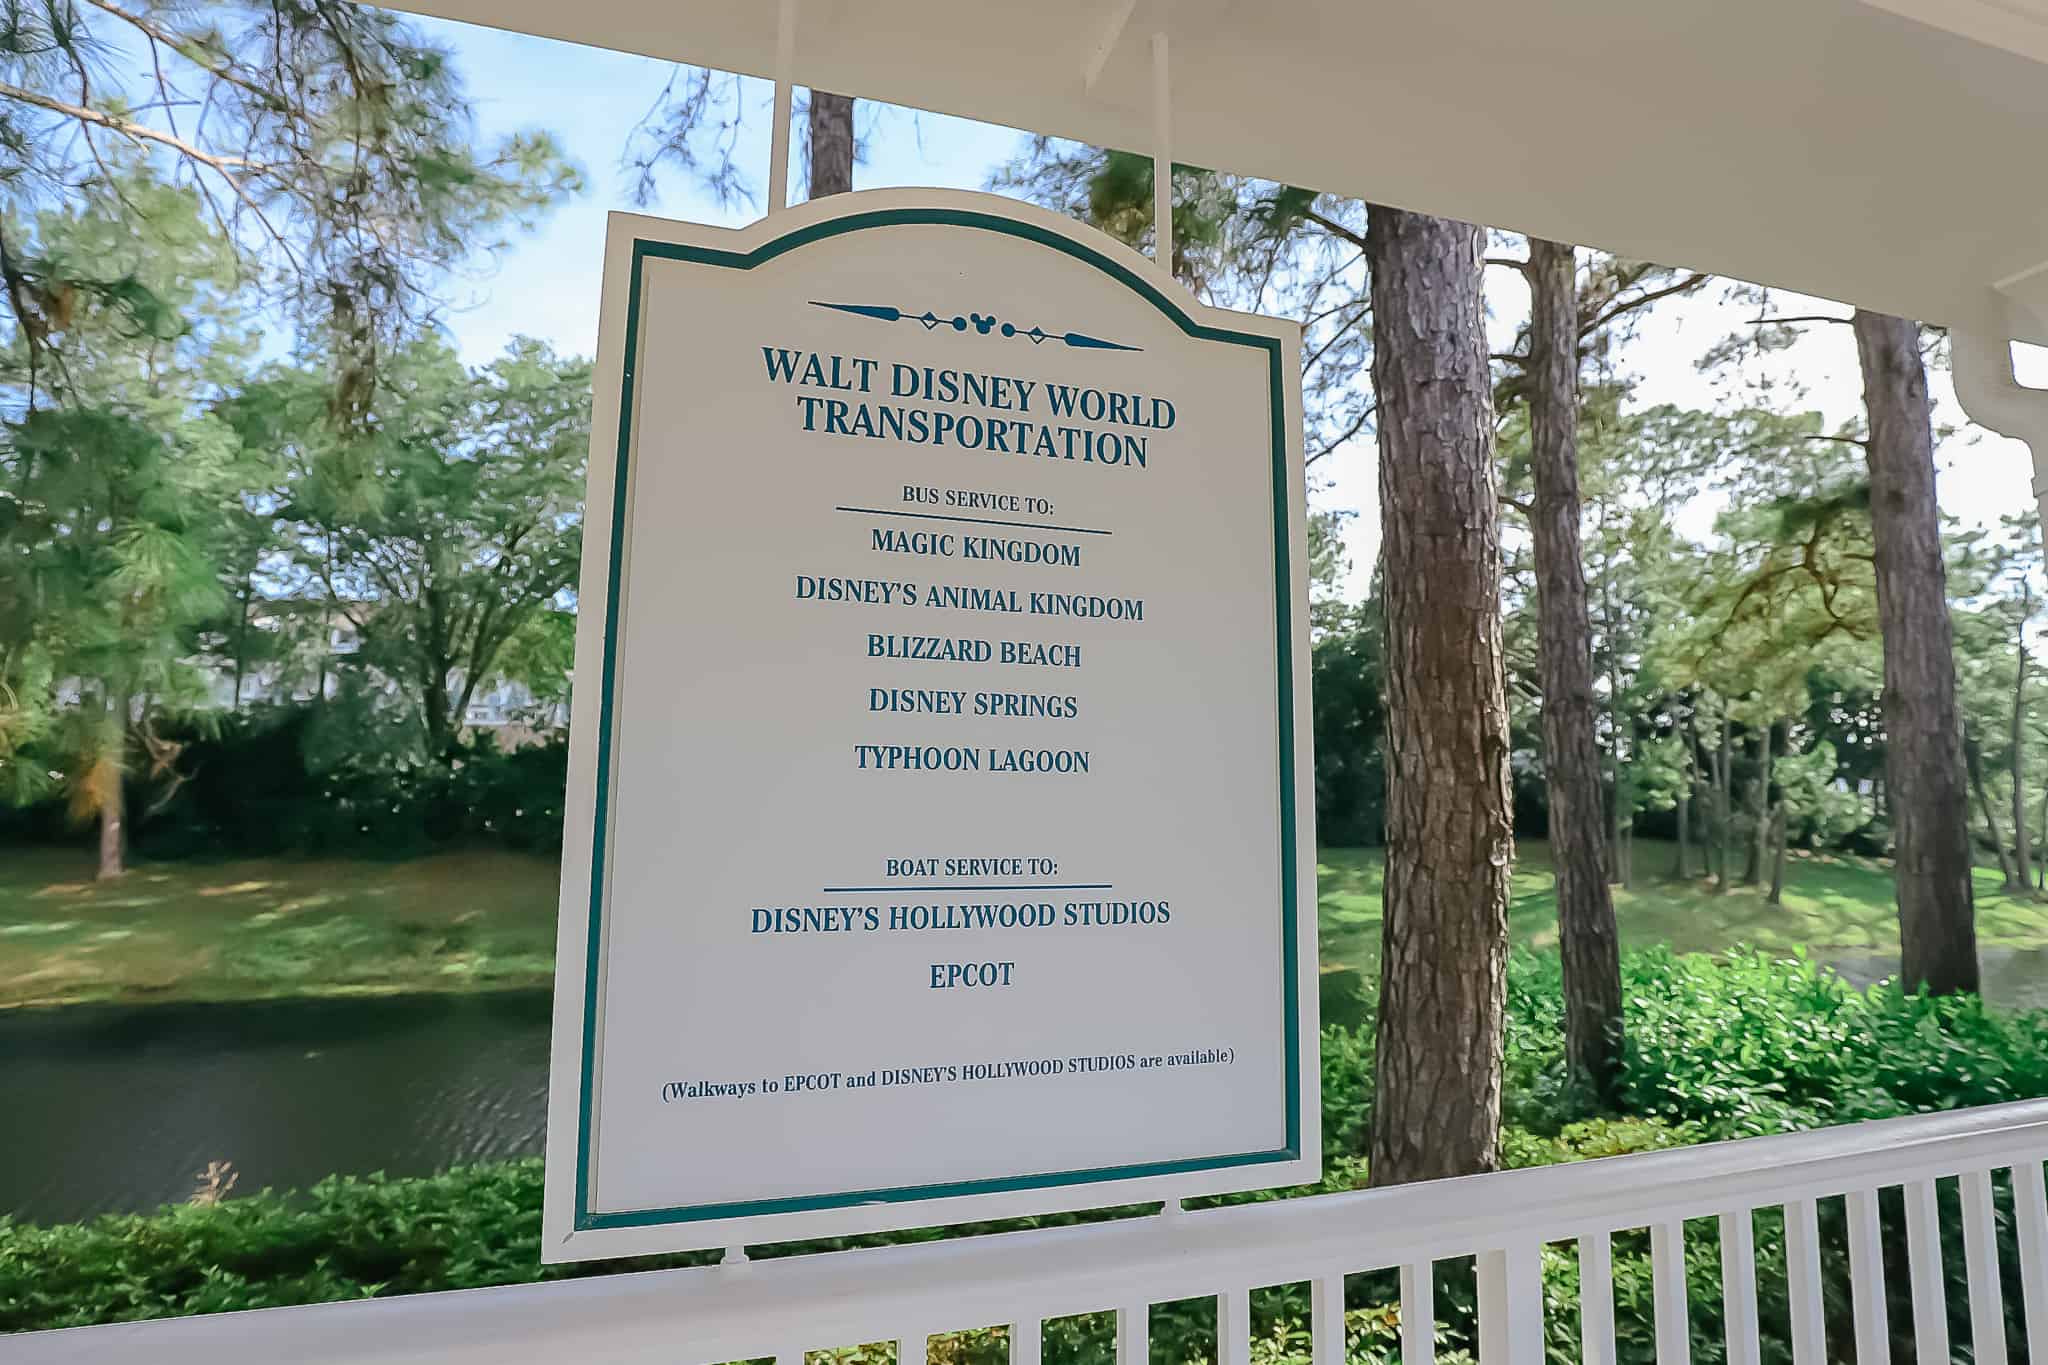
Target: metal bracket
x=1981 y=365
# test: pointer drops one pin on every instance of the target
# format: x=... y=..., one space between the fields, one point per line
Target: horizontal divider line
x=977 y=521
x=1036 y=886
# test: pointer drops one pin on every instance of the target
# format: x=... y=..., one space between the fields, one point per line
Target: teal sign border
x=586 y=1219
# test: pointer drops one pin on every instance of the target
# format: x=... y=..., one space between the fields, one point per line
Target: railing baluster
x=1802 y=1283
x=1596 y=1299
x=911 y=1350
x=1738 y=1288
x=1866 y=1280
x=1418 y=1313
x=1134 y=1334
x=1667 y=1283
x=1025 y=1341
x=2030 y=1211
x=1326 y=1320
x=1930 y=1285
x=1511 y=1305
x=1234 y=1327
x=1980 y=1258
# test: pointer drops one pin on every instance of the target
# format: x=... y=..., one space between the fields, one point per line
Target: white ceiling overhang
x=1892 y=153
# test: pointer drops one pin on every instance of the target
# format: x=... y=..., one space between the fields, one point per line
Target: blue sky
x=591 y=100
x=546 y=283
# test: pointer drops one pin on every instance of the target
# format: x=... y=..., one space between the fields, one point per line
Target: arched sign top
x=938 y=840
x=766 y=239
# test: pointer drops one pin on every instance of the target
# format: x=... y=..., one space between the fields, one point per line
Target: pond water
x=118 y=1108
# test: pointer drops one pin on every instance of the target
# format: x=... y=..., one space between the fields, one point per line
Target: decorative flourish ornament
x=982 y=323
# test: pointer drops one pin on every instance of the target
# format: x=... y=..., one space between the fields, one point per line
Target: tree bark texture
x=831 y=144
x=1779 y=831
x=1923 y=725
x=1614 y=849
x=1688 y=785
x=1437 y=1074
x=1759 y=811
x=1724 y=778
x=1587 y=937
x=2022 y=854
x=1681 y=866
x=112 y=796
x=2041 y=870
x=1974 y=763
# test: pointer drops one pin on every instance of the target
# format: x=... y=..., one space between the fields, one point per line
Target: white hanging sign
x=939 y=838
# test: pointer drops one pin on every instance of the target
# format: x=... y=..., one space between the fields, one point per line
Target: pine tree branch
x=137 y=131
x=1799 y=317
x=223 y=166
x=1643 y=300
x=1356 y=426
x=1335 y=228
x=190 y=49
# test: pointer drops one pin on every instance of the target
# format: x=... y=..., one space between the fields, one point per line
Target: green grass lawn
x=1836 y=907
x=251 y=929
x=257 y=928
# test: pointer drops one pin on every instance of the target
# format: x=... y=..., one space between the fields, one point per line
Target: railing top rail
x=840 y=1298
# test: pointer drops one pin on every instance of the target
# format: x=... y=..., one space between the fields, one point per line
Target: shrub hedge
x=255 y=784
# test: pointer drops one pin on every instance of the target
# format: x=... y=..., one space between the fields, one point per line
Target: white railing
x=783 y=1308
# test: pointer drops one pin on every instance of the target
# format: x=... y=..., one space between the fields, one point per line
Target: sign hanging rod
x=1162 y=155
x=778 y=147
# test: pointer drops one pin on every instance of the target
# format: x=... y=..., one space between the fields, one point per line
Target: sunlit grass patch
x=261 y=928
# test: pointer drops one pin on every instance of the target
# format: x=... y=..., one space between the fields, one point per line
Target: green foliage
x=1348 y=713
x=336 y=161
x=1347 y=1060
x=448 y=530
x=1823 y=811
x=1240 y=243
x=344 y=1239
x=1754 y=1045
x=331 y=184
x=117 y=494
x=256 y=789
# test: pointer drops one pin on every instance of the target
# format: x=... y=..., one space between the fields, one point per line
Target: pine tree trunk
x=1923 y=726
x=1759 y=811
x=1443 y=963
x=112 y=794
x=1974 y=762
x=831 y=144
x=1587 y=939
x=242 y=642
x=2041 y=872
x=2022 y=856
x=1688 y=792
x=1724 y=801
x=1682 y=865
x=440 y=725
x=1778 y=833
x=1614 y=810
